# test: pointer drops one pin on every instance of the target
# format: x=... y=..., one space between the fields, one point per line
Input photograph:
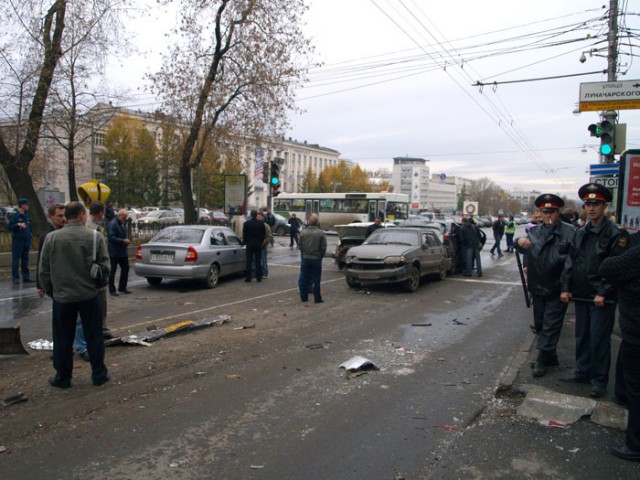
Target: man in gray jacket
x=313 y=245
x=65 y=274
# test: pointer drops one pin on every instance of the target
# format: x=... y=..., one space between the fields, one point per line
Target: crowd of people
x=567 y=258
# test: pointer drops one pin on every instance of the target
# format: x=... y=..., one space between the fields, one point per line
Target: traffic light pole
x=612 y=63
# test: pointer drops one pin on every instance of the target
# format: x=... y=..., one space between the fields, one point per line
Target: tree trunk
x=187 y=195
x=71 y=171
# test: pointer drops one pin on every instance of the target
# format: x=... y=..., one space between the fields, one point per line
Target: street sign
x=598 y=96
x=609 y=182
x=604 y=169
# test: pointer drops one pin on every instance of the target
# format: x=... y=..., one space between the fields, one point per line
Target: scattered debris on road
x=20 y=397
x=358 y=363
x=41 y=344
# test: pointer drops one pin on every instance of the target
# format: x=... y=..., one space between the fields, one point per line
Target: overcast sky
x=392 y=85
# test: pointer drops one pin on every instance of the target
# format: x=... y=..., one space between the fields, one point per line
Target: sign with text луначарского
x=599 y=96
x=628 y=208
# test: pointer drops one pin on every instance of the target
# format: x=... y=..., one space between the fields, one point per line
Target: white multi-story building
x=443 y=196
x=411 y=176
x=526 y=197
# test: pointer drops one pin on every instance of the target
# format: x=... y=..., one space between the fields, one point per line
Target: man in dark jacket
x=623 y=271
x=294 y=230
x=313 y=247
x=374 y=226
x=470 y=243
x=498 y=233
x=253 y=236
x=20 y=227
x=545 y=248
x=594 y=297
x=118 y=252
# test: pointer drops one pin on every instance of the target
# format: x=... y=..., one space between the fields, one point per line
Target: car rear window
x=179 y=235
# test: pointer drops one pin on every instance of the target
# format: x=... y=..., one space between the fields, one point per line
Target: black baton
x=523 y=280
x=590 y=300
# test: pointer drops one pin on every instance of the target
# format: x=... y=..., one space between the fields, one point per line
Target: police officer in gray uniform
x=545 y=249
x=594 y=296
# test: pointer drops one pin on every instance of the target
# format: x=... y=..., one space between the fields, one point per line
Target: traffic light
x=605 y=131
x=275 y=179
x=606 y=138
x=265 y=173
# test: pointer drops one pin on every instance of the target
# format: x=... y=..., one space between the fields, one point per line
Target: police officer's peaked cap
x=549 y=200
x=594 y=192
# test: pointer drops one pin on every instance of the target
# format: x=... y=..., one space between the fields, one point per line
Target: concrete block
x=553 y=408
x=610 y=415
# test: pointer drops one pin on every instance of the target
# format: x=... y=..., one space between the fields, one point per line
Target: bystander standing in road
x=119 y=252
x=374 y=226
x=56 y=222
x=594 y=296
x=294 y=229
x=65 y=272
x=20 y=227
x=313 y=245
x=624 y=272
x=546 y=248
x=265 y=249
x=509 y=232
x=470 y=243
x=270 y=219
x=253 y=236
x=498 y=232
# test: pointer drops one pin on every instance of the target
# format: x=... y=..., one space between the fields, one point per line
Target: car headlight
x=394 y=259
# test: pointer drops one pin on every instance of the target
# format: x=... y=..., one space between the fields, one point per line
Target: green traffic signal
x=606 y=138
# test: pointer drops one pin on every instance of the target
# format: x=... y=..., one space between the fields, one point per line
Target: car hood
x=379 y=252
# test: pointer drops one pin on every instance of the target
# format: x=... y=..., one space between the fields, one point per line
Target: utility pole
x=612 y=66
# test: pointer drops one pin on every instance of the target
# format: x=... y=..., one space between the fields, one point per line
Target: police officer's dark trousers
x=593 y=342
x=551 y=309
x=630 y=359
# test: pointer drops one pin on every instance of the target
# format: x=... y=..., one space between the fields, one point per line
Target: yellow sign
x=612 y=105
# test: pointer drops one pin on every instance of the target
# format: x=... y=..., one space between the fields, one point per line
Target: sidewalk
x=543 y=428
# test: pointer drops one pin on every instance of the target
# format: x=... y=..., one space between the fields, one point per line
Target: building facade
x=411 y=176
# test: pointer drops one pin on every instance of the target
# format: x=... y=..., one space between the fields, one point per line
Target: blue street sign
x=604 y=169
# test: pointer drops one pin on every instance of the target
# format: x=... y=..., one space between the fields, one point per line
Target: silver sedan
x=191 y=252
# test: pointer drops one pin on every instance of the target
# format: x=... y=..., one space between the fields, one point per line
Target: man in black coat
x=253 y=235
x=623 y=271
x=118 y=245
x=545 y=248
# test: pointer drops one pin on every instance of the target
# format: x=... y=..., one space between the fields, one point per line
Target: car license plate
x=368 y=276
x=162 y=257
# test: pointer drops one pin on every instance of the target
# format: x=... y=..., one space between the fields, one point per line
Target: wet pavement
x=542 y=427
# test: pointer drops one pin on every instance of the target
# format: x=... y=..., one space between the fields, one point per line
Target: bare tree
x=234 y=64
x=44 y=29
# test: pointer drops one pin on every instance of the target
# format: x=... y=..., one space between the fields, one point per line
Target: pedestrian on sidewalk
x=624 y=272
x=545 y=249
x=594 y=296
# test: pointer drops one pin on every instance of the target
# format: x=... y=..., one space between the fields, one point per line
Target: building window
x=98 y=139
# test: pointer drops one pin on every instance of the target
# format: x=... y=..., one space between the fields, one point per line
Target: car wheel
x=280 y=230
x=154 y=281
x=213 y=276
x=352 y=283
x=413 y=282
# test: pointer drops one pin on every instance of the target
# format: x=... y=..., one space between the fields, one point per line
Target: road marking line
x=482 y=281
x=224 y=305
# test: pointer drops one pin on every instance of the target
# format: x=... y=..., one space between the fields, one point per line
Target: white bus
x=342 y=208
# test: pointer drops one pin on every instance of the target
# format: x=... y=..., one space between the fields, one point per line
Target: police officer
x=594 y=296
x=545 y=250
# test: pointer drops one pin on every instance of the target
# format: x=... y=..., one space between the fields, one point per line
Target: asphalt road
x=270 y=401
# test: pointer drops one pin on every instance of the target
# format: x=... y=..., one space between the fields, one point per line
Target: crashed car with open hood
x=397 y=255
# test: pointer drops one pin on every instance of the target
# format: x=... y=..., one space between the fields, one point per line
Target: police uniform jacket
x=623 y=271
x=546 y=257
x=16 y=231
x=590 y=246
